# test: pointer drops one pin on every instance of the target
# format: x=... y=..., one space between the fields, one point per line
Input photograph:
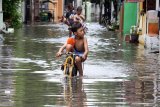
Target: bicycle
x=69 y=67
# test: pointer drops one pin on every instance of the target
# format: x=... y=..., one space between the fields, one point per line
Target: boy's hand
x=84 y=57
x=58 y=54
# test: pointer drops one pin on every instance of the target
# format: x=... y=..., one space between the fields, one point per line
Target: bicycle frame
x=69 y=67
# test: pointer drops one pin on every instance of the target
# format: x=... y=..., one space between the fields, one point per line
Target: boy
x=78 y=17
x=69 y=15
x=68 y=19
x=77 y=44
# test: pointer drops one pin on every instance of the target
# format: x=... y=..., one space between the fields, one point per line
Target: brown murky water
x=116 y=73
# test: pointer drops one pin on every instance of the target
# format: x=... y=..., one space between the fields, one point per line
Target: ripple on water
x=41 y=63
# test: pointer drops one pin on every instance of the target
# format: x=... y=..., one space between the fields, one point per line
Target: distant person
x=69 y=15
x=53 y=16
x=77 y=44
x=68 y=19
x=49 y=16
x=78 y=17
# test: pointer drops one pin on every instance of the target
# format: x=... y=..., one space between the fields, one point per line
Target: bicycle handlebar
x=71 y=53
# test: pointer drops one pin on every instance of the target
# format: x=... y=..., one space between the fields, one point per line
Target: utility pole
x=75 y=4
x=1 y=15
x=100 y=14
x=32 y=11
x=85 y=10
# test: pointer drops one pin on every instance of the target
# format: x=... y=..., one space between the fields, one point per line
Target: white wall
x=88 y=11
x=22 y=11
x=0 y=5
x=79 y=3
x=157 y=4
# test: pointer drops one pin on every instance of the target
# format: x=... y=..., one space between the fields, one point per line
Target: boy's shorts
x=80 y=54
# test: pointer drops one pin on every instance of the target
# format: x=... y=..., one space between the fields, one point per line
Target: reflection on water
x=74 y=94
x=6 y=78
x=116 y=73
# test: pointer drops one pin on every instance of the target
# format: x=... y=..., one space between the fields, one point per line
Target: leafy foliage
x=11 y=12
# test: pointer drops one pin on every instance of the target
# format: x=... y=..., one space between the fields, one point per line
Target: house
x=149 y=23
x=143 y=14
x=34 y=8
x=128 y=16
x=56 y=8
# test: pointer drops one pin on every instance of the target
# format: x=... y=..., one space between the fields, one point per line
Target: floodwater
x=116 y=73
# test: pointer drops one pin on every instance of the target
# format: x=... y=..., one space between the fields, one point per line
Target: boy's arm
x=59 y=53
x=82 y=17
x=85 y=48
x=75 y=18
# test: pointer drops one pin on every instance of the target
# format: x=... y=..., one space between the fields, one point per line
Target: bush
x=11 y=12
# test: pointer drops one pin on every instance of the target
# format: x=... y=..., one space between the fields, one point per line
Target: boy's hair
x=75 y=26
x=70 y=6
x=79 y=8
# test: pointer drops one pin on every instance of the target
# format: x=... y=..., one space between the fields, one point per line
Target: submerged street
x=116 y=73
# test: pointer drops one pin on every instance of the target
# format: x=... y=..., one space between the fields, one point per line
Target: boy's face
x=80 y=32
x=79 y=12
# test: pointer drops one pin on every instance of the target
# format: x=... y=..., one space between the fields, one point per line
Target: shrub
x=11 y=12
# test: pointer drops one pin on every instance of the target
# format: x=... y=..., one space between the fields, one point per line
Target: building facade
x=33 y=9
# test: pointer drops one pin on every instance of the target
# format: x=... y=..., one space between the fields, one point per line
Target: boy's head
x=79 y=10
x=77 y=29
x=75 y=26
x=70 y=6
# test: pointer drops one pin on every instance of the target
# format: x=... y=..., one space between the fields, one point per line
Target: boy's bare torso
x=79 y=44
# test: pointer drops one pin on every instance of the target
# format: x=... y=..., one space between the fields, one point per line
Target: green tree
x=11 y=12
